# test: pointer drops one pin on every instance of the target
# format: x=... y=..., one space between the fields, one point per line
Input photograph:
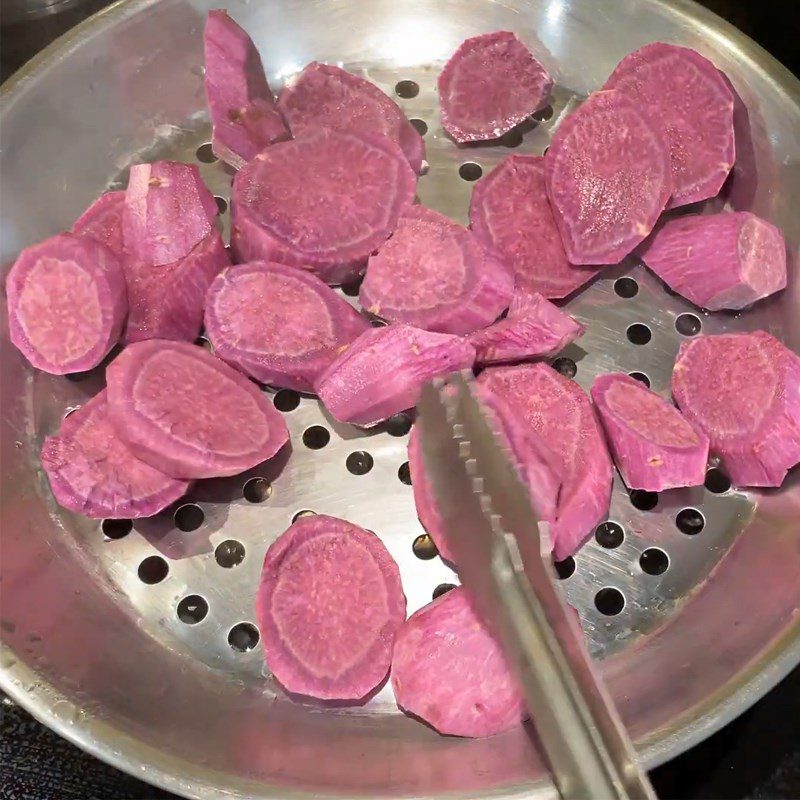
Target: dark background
x=757 y=756
x=774 y=24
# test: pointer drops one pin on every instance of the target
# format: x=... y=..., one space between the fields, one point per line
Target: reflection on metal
x=105 y=659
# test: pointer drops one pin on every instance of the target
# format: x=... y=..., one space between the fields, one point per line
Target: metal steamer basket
x=138 y=642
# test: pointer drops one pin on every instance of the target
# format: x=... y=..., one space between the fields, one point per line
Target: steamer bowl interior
x=107 y=657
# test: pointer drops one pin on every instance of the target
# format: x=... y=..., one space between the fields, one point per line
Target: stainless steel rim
x=109 y=744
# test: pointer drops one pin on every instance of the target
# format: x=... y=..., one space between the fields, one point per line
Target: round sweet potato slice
x=686 y=94
x=323 y=202
x=743 y=390
x=66 y=303
x=279 y=324
x=329 y=604
x=559 y=412
x=188 y=413
x=489 y=85
x=510 y=213
x=608 y=177
x=92 y=472
x=653 y=446
x=326 y=96
x=436 y=275
x=449 y=671
x=537 y=467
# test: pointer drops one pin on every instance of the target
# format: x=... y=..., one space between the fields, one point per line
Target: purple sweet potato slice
x=536 y=465
x=244 y=118
x=435 y=274
x=102 y=221
x=489 y=85
x=743 y=390
x=717 y=261
x=511 y=213
x=653 y=446
x=92 y=472
x=66 y=303
x=534 y=328
x=448 y=670
x=326 y=96
x=168 y=212
x=279 y=324
x=739 y=189
x=184 y=411
x=166 y=301
x=323 y=202
x=329 y=605
x=424 y=501
x=558 y=410
x=384 y=370
x=608 y=178
x=689 y=97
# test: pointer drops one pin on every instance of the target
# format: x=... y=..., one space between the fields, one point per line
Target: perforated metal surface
x=138 y=641
x=318 y=479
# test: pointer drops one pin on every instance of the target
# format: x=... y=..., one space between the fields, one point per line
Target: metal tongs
x=497 y=544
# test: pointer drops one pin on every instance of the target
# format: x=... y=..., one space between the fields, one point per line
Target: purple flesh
x=559 y=412
x=365 y=181
x=608 y=178
x=448 y=670
x=434 y=274
x=279 y=324
x=325 y=96
x=489 y=85
x=653 y=446
x=686 y=95
x=739 y=189
x=534 y=328
x=743 y=390
x=102 y=221
x=66 y=303
x=244 y=118
x=166 y=302
x=92 y=472
x=427 y=510
x=328 y=606
x=718 y=261
x=536 y=465
x=384 y=370
x=184 y=411
x=168 y=212
x=510 y=212
x=250 y=242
